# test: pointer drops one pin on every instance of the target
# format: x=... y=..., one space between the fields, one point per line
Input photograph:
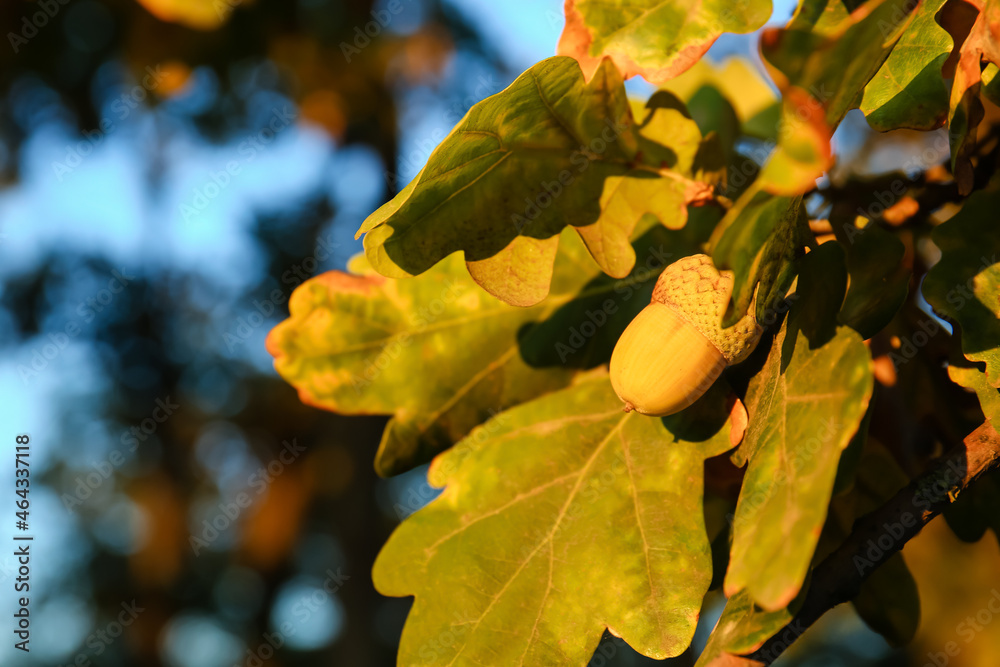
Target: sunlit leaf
x=657 y=39
x=513 y=561
x=908 y=90
x=991 y=84
x=821 y=63
x=742 y=628
x=527 y=162
x=823 y=17
x=965 y=108
x=803 y=152
x=975 y=380
x=965 y=284
x=731 y=100
x=805 y=405
x=358 y=343
x=738 y=81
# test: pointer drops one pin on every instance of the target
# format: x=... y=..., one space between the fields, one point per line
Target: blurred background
x=170 y=170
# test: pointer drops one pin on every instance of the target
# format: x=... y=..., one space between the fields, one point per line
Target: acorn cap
x=696 y=290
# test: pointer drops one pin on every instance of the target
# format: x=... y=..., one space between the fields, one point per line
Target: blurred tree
x=174 y=337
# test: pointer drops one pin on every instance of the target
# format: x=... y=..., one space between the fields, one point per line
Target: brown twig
x=877 y=536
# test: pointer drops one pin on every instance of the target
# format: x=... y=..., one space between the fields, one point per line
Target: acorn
x=673 y=350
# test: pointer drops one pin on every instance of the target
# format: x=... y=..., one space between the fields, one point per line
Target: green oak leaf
x=709 y=159
x=888 y=601
x=991 y=84
x=525 y=163
x=657 y=39
x=512 y=562
x=965 y=284
x=714 y=114
x=715 y=89
x=803 y=150
x=357 y=343
x=805 y=406
x=821 y=63
x=822 y=282
x=758 y=240
x=965 y=110
x=974 y=379
x=823 y=17
x=879 y=281
x=908 y=91
x=626 y=198
x=742 y=628
x=834 y=55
